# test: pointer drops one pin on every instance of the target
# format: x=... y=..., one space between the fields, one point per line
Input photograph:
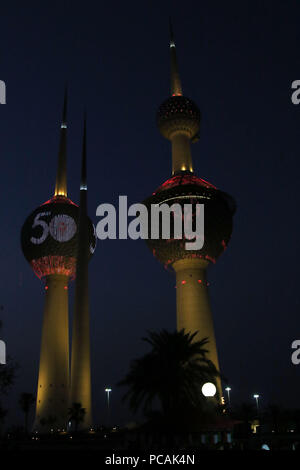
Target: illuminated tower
x=49 y=241
x=178 y=120
x=81 y=362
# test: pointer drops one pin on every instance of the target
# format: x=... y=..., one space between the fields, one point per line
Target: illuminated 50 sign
x=62 y=227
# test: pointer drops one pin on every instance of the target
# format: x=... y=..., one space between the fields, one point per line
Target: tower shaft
x=81 y=360
x=53 y=381
x=193 y=305
x=181 y=153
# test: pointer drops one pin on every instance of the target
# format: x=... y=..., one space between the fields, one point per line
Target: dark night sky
x=237 y=61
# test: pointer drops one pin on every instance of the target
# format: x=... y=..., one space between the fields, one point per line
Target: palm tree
x=26 y=401
x=172 y=372
x=76 y=413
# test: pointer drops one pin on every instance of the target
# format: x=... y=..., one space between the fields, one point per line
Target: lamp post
x=108 y=391
x=228 y=390
x=256 y=398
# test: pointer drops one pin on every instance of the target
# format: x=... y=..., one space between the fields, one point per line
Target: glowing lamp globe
x=209 y=389
x=49 y=237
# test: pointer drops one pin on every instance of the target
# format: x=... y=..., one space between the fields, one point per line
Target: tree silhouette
x=26 y=401
x=172 y=373
x=7 y=377
x=76 y=414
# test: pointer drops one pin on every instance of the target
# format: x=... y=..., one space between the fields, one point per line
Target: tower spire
x=83 y=181
x=61 y=175
x=176 y=88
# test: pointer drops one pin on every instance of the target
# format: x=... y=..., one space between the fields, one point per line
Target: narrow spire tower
x=81 y=361
x=178 y=120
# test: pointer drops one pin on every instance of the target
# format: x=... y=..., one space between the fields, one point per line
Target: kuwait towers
x=51 y=239
x=178 y=120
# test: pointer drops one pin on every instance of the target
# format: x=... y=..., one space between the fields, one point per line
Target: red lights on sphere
x=182 y=179
x=198 y=280
x=60 y=199
x=48 y=265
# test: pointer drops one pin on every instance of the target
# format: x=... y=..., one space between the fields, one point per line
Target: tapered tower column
x=81 y=360
x=193 y=304
x=53 y=381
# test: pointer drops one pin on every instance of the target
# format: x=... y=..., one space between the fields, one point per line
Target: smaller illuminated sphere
x=49 y=237
x=219 y=207
x=178 y=113
x=209 y=389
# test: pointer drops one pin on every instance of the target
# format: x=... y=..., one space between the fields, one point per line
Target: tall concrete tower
x=81 y=362
x=49 y=241
x=178 y=120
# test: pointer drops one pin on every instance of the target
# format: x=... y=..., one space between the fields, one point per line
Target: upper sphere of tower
x=178 y=114
x=49 y=237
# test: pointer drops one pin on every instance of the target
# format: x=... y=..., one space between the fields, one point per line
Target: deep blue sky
x=237 y=61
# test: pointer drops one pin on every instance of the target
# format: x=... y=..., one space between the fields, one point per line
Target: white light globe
x=209 y=389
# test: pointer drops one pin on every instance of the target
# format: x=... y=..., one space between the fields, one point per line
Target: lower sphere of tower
x=219 y=208
x=178 y=114
x=49 y=237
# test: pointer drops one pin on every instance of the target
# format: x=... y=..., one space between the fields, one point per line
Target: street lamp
x=256 y=398
x=108 y=391
x=228 y=390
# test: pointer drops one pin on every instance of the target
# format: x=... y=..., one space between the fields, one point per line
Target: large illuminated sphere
x=209 y=389
x=178 y=113
x=49 y=237
x=219 y=207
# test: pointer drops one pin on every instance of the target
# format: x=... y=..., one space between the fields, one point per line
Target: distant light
x=46 y=287
x=209 y=389
x=83 y=187
x=63 y=125
x=255 y=396
x=228 y=389
x=200 y=281
x=265 y=447
x=183 y=282
x=172 y=44
x=108 y=390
